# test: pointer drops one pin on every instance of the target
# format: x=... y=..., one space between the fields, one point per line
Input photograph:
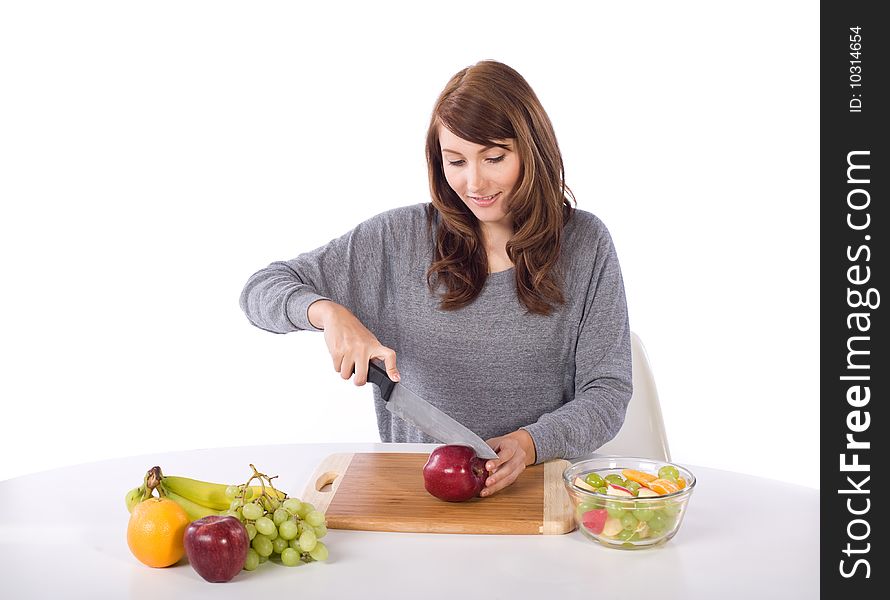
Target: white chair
x=643 y=431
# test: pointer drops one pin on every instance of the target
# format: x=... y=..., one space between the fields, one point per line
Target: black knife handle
x=378 y=375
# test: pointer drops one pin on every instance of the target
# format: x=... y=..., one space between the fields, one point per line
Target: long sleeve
x=358 y=270
x=565 y=377
x=603 y=379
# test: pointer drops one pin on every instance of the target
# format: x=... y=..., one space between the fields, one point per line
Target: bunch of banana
x=198 y=498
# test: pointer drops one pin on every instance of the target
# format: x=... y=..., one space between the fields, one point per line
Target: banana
x=194 y=510
x=134 y=497
x=198 y=498
x=209 y=495
x=257 y=490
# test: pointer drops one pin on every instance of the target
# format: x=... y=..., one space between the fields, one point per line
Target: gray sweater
x=565 y=378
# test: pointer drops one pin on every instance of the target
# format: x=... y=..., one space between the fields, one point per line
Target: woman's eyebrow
x=504 y=146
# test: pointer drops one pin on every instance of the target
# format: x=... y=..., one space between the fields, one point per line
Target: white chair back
x=643 y=431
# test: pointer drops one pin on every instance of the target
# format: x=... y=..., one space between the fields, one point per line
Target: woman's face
x=476 y=173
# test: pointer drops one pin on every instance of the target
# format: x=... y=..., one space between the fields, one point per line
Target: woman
x=498 y=302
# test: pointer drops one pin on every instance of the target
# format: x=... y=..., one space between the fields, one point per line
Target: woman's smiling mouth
x=484 y=200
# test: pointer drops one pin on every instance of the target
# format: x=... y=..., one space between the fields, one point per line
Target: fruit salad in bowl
x=626 y=502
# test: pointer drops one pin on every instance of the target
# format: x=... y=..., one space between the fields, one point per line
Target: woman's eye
x=457 y=163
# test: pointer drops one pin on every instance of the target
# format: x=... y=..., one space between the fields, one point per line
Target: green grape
x=672 y=509
x=252 y=511
x=614 y=478
x=314 y=518
x=633 y=487
x=233 y=513
x=273 y=503
x=279 y=516
x=624 y=534
x=252 y=560
x=614 y=509
x=643 y=514
x=265 y=526
x=629 y=522
x=295 y=544
x=278 y=545
x=658 y=521
x=262 y=545
x=274 y=534
x=263 y=558
x=586 y=506
x=308 y=541
x=320 y=552
x=236 y=504
x=305 y=509
x=291 y=505
x=602 y=490
x=251 y=530
x=290 y=557
x=669 y=472
x=288 y=530
x=320 y=531
x=669 y=521
x=231 y=492
x=248 y=492
x=594 y=480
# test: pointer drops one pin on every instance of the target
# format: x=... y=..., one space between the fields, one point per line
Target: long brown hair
x=482 y=103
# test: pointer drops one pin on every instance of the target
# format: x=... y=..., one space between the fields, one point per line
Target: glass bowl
x=617 y=520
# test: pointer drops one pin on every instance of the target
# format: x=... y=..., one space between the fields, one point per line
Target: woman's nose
x=475 y=179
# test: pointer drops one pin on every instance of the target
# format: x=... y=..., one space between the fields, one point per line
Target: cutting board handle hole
x=323 y=483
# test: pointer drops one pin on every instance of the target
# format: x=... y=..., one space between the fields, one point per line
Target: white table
x=63 y=535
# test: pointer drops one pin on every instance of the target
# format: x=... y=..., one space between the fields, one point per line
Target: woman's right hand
x=350 y=343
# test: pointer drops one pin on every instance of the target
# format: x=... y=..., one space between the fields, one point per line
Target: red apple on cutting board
x=454 y=473
x=216 y=547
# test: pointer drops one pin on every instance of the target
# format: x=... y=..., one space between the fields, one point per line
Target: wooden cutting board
x=384 y=492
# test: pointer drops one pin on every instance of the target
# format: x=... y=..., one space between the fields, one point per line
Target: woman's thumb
x=391 y=371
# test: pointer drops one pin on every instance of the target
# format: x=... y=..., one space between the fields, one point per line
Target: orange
x=155 y=532
x=640 y=477
x=681 y=482
x=664 y=486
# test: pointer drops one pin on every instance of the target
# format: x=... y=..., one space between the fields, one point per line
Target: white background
x=154 y=155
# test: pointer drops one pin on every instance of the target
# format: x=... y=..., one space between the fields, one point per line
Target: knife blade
x=407 y=405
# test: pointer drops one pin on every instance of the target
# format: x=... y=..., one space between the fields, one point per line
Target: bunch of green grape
x=286 y=529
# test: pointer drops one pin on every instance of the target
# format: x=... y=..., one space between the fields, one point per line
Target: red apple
x=216 y=547
x=595 y=520
x=618 y=490
x=454 y=473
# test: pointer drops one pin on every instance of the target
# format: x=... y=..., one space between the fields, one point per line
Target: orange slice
x=638 y=476
x=681 y=482
x=664 y=486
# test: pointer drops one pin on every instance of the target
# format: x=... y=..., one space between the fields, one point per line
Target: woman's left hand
x=515 y=451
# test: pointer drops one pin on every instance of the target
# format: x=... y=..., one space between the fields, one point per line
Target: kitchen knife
x=407 y=405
